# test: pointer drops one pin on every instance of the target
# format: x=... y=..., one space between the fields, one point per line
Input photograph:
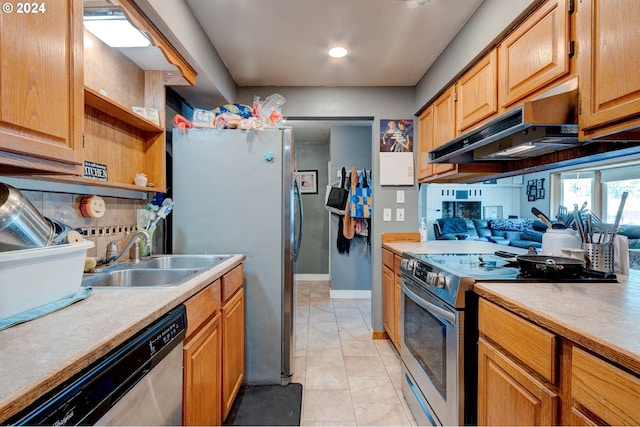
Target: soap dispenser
x=423 y=230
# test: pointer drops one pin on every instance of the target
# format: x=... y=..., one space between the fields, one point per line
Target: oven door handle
x=431 y=308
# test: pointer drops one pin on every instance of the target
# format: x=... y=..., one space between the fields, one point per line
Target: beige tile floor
x=348 y=378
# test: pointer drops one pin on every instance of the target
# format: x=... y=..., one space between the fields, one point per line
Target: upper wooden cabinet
x=477 y=93
x=41 y=93
x=444 y=125
x=608 y=62
x=67 y=98
x=535 y=54
x=425 y=143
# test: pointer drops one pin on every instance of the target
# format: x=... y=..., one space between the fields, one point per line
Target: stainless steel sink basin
x=139 y=277
x=182 y=261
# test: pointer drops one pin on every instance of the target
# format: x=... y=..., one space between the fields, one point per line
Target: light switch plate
x=400 y=196
x=386 y=214
x=400 y=214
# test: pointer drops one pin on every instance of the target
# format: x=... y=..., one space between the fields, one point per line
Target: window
x=617 y=181
x=577 y=188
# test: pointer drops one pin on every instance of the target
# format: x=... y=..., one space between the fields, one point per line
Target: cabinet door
x=397 y=295
x=477 y=93
x=202 y=399
x=605 y=390
x=608 y=40
x=425 y=143
x=508 y=395
x=232 y=349
x=444 y=125
x=41 y=107
x=388 y=302
x=535 y=53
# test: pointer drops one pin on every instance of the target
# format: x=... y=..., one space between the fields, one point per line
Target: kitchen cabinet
x=202 y=401
x=602 y=392
x=535 y=54
x=61 y=108
x=517 y=365
x=214 y=350
x=472 y=100
x=444 y=126
x=389 y=319
x=509 y=394
x=41 y=86
x=528 y=375
x=477 y=93
x=425 y=143
x=232 y=337
x=609 y=89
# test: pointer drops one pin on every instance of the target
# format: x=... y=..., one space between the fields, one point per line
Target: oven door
x=431 y=344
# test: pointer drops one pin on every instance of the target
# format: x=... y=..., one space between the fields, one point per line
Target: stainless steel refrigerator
x=235 y=192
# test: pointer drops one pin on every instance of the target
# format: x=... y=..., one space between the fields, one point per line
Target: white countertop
x=37 y=356
x=602 y=317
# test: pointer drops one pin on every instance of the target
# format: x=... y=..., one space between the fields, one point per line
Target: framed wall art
x=307 y=181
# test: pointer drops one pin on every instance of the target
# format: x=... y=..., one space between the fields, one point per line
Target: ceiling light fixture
x=113 y=28
x=338 y=52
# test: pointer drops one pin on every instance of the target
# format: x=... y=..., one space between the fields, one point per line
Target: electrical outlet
x=400 y=196
x=386 y=215
x=400 y=215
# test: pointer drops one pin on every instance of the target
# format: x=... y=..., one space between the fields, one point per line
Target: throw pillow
x=453 y=225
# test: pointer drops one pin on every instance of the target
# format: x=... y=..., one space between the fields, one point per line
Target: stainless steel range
x=439 y=330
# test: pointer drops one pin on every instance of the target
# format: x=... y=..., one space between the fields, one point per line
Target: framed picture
x=307 y=181
x=492 y=212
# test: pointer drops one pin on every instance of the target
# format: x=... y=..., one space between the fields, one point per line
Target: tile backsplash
x=119 y=217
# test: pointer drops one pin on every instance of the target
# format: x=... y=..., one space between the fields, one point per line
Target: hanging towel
x=360 y=197
x=350 y=222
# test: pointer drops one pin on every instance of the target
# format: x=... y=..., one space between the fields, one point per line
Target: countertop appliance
x=138 y=383
x=235 y=192
x=439 y=329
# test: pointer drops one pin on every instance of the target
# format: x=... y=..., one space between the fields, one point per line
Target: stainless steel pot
x=21 y=225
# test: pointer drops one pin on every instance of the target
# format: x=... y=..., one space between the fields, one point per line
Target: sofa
x=522 y=233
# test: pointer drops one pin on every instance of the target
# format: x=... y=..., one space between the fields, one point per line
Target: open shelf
x=119 y=111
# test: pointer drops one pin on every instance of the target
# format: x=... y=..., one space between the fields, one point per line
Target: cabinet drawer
x=532 y=345
x=387 y=258
x=202 y=306
x=231 y=282
x=609 y=392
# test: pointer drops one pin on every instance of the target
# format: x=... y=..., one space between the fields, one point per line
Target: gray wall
x=377 y=103
x=314 y=252
x=480 y=31
x=350 y=147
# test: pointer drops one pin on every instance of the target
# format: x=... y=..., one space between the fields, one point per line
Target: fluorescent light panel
x=116 y=32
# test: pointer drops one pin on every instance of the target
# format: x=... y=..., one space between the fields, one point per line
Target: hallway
x=347 y=378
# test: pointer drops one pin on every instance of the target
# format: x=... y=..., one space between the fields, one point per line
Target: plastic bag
x=269 y=111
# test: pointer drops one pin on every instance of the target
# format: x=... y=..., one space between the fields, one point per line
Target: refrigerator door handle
x=300 y=220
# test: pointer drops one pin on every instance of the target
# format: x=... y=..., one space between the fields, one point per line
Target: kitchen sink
x=181 y=261
x=140 y=277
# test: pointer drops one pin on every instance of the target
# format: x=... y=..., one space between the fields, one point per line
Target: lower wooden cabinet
x=509 y=395
x=203 y=375
x=391 y=296
x=232 y=349
x=530 y=376
x=604 y=390
x=214 y=350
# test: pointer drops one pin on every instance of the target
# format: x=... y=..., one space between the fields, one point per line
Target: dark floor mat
x=267 y=405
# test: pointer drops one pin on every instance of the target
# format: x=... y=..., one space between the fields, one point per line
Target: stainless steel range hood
x=540 y=126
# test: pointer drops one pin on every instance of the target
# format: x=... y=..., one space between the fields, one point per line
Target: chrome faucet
x=112 y=254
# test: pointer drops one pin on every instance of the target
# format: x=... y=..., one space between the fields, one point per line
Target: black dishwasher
x=101 y=390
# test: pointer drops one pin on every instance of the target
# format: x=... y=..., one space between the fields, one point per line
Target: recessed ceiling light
x=338 y=52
